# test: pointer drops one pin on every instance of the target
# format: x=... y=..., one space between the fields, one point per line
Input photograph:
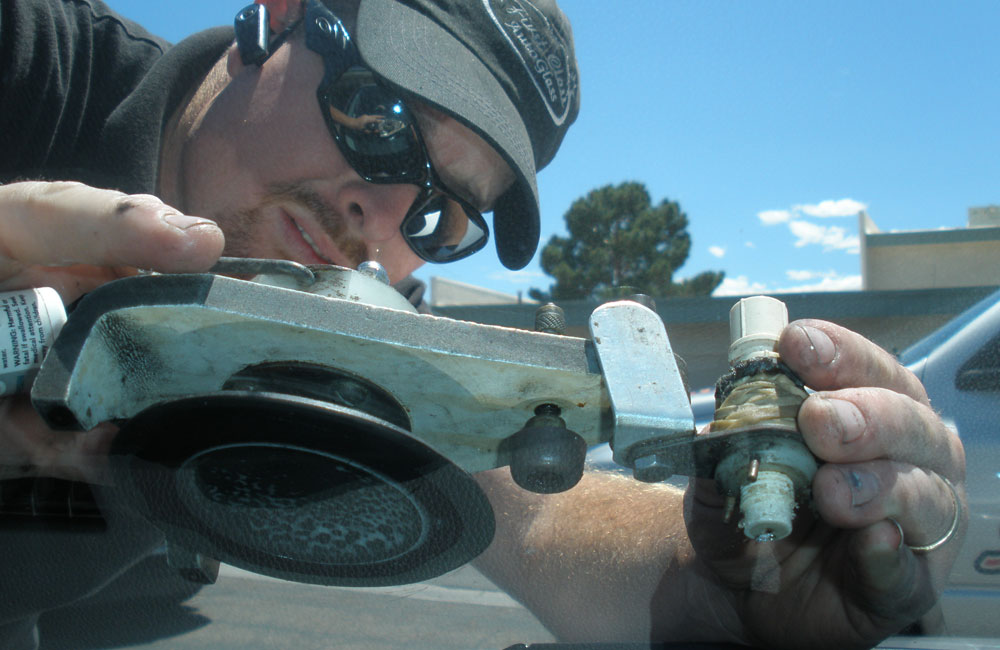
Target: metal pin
x=754 y=468
x=730 y=509
x=253 y=266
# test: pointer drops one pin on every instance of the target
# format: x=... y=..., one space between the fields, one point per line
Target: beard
x=242 y=227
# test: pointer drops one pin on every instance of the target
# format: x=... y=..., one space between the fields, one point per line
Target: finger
x=62 y=223
x=887 y=582
x=859 y=424
x=827 y=356
x=29 y=448
x=859 y=495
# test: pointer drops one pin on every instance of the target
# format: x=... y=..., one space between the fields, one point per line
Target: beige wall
x=932 y=259
x=447 y=293
x=932 y=266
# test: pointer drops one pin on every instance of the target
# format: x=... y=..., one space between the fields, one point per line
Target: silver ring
x=954 y=523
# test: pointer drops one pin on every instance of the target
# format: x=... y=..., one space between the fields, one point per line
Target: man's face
x=261 y=162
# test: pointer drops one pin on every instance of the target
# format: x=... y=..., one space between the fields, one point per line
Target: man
x=211 y=148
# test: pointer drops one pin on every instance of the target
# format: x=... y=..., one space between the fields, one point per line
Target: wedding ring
x=954 y=523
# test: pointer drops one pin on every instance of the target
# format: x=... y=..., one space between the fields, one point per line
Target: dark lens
x=374 y=129
x=443 y=230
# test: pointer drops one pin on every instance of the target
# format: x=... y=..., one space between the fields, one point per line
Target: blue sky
x=771 y=124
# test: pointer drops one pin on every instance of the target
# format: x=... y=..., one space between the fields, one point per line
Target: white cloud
x=523 y=276
x=822 y=210
x=802 y=275
x=773 y=217
x=828 y=283
x=739 y=286
x=717 y=251
x=830 y=237
x=750 y=244
x=830 y=208
x=807 y=232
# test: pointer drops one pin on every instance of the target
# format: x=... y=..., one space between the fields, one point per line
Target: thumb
x=66 y=223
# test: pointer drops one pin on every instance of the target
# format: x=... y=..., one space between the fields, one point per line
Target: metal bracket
x=466 y=387
x=649 y=403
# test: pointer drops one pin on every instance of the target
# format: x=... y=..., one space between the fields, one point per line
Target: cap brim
x=410 y=50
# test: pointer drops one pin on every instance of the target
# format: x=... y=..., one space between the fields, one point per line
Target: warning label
x=26 y=341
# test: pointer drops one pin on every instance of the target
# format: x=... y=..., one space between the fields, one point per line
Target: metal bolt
x=550 y=319
x=653 y=468
x=374 y=270
x=754 y=468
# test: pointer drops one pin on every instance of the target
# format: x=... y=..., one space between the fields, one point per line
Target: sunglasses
x=376 y=132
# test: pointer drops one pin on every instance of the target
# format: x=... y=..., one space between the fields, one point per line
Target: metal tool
x=310 y=425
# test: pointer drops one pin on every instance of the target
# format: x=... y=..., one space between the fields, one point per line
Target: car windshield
x=934 y=340
x=296 y=454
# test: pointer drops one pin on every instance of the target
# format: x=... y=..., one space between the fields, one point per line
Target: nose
x=376 y=211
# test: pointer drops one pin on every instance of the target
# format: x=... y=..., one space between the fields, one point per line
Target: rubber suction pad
x=300 y=489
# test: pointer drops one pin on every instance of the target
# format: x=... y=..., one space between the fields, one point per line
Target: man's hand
x=74 y=238
x=847 y=575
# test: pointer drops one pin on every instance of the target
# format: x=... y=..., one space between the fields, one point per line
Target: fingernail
x=183 y=221
x=864 y=486
x=819 y=343
x=847 y=419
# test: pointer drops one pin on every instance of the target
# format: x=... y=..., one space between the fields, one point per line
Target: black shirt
x=86 y=95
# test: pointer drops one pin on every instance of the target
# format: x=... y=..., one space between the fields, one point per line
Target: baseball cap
x=504 y=68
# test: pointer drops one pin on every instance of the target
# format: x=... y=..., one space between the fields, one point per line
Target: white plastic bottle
x=33 y=318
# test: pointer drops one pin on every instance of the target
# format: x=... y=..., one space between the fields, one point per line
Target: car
x=959 y=365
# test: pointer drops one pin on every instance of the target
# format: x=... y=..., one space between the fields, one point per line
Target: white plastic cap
x=755 y=323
